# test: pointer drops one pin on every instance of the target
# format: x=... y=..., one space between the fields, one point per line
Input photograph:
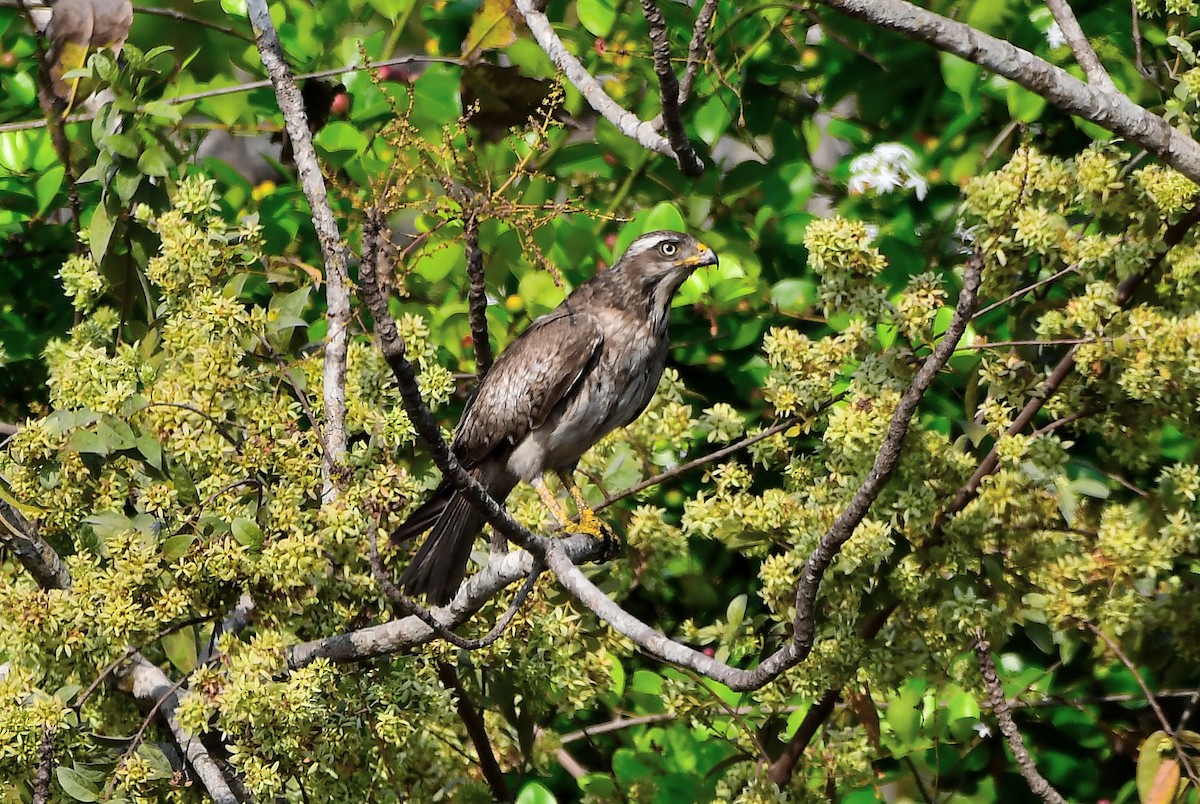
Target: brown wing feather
x=537 y=371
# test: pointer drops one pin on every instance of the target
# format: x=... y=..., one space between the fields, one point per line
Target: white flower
x=982 y=730
x=890 y=166
x=1054 y=36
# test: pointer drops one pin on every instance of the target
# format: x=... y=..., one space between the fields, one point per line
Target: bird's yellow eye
x=669 y=249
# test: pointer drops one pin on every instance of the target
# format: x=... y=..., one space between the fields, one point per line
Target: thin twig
x=245 y=86
x=337 y=280
x=724 y=452
x=669 y=92
x=477 y=731
x=1151 y=699
x=1080 y=46
x=1016 y=743
x=1016 y=294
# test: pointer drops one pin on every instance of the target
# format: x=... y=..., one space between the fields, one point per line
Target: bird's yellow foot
x=597 y=528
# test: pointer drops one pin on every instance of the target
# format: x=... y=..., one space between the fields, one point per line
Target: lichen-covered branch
x=150 y=685
x=337 y=282
x=1016 y=743
x=1105 y=107
x=502 y=570
x=642 y=132
x=36 y=555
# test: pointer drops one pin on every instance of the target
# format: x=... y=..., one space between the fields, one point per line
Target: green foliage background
x=166 y=378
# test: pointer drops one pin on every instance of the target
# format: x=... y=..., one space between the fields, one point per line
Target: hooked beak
x=703 y=256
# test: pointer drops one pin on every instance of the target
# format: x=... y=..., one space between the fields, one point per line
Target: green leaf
x=1156 y=774
x=1024 y=105
x=536 y=793
x=665 y=215
x=151 y=450
x=735 y=612
x=436 y=263
x=47 y=186
x=116 y=434
x=795 y=296
x=88 y=442
x=75 y=785
x=101 y=230
x=597 y=16
x=712 y=119
x=154 y=161
x=247 y=532
x=180 y=647
x=175 y=547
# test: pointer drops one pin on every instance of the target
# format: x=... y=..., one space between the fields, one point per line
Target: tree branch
x=337 y=281
x=45 y=768
x=640 y=131
x=781 y=769
x=150 y=685
x=1106 y=108
x=477 y=731
x=669 y=91
x=1084 y=54
x=408 y=632
x=697 y=48
x=36 y=555
x=843 y=527
x=1000 y=708
x=477 y=298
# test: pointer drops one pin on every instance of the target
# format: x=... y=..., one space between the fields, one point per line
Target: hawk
x=576 y=374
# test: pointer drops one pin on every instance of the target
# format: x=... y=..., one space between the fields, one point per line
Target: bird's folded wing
x=540 y=369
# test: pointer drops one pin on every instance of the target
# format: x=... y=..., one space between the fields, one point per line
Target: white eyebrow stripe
x=646 y=243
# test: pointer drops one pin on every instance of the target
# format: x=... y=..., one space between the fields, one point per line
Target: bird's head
x=657 y=263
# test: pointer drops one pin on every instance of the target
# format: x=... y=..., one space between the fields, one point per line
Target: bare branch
x=1106 y=108
x=150 y=685
x=36 y=555
x=337 y=281
x=843 y=527
x=669 y=91
x=642 y=132
x=1080 y=46
x=781 y=769
x=408 y=632
x=477 y=298
x=1000 y=708
x=697 y=48
x=477 y=731
x=45 y=768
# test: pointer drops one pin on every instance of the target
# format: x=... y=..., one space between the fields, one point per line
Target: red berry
x=709 y=651
x=8 y=60
x=340 y=105
x=610 y=241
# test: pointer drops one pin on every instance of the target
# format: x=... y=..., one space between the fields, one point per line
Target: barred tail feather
x=440 y=563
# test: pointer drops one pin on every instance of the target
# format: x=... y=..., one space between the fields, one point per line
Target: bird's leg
x=552 y=505
x=589 y=523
